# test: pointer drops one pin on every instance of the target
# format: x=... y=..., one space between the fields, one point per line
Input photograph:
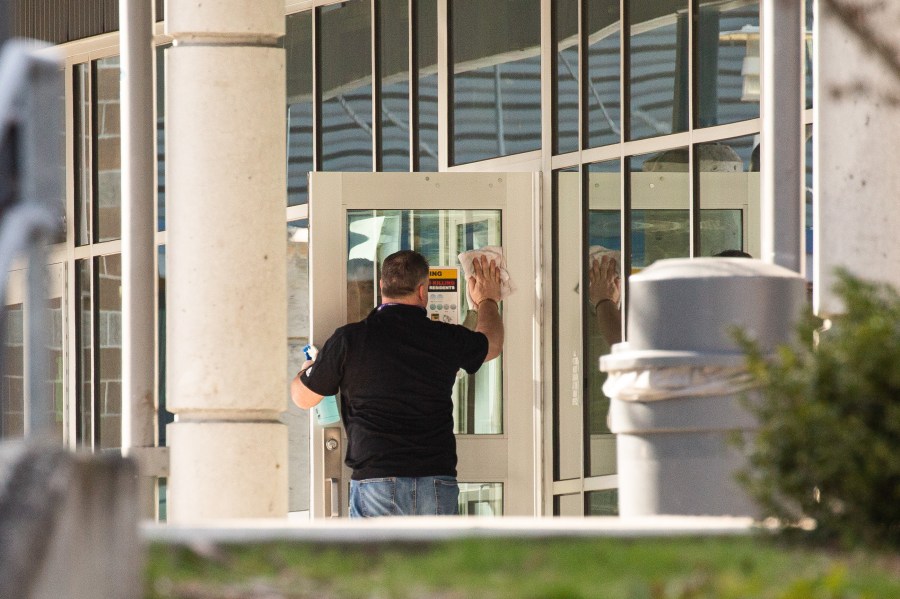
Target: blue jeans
x=399 y=496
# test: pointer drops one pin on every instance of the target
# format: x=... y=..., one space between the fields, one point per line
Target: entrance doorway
x=358 y=219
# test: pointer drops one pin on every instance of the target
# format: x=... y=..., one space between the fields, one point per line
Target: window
x=658 y=67
x=603 y=121
x=160 y=138
x=602 y=319
x=495 y=78
x=426 y=89
x=393 y=85
x=12 y=384
x=729 y=195
x=727 y=73
x=565 y=76
x=345 y=85
x=299 y=68
x=107 y=170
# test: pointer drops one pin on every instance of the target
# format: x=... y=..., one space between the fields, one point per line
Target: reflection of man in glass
x=395 y=371
x=604 y=330
x=360 y=288
x=604 y=295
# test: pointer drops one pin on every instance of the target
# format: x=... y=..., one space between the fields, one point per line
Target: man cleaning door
x=395 y=371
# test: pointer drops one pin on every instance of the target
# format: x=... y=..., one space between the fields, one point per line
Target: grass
x=756 y=567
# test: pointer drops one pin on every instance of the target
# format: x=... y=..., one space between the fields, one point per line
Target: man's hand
x=605 y=284
x=484 y=284
x=604 y=295
x=305 y=366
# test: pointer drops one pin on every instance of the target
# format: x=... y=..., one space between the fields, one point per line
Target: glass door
x=358 y=219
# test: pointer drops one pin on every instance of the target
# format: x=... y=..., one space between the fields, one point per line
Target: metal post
x=41 y=186
x=782 y=137
x=138 y=245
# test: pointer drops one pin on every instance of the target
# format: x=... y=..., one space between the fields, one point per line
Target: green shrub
x=828 y=446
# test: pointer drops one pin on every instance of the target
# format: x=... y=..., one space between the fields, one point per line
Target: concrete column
x=781 y=154
x=225 y=125
x=856 y=128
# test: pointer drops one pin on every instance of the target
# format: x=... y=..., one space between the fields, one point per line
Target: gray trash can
x=675 y=385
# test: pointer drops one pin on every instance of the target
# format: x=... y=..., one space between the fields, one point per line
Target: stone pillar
x=857 y=126
x=225 y=127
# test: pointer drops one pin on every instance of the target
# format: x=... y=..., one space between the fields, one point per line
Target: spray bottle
x=326 y=411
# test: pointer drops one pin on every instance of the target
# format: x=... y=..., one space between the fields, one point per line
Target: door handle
x=332 y=472
x=333 y=499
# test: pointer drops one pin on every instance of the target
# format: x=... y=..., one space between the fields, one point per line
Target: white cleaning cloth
x=491 y=252
x=598 y=251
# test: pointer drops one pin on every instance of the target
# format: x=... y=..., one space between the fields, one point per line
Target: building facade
x=641 y=118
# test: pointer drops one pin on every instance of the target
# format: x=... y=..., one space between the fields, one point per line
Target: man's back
x=396 y=371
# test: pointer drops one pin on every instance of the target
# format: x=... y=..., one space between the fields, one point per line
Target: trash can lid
x=706 y=268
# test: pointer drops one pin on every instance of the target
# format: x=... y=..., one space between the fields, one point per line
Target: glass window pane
x=728 y=62
x=161 y=138
x=604 y=66
x=480 y=499
x=162 y=487
x=565 y=88
x=297 y=420
x=81 y=83
x=568 y=410
x=84 y=362
x=107 y=147
x=601 y=307
x=55 y=351
x=394 y=62
x=362 y=270
x=496 y=78
x=658 y=77
x=109 y=349
x=12 y=385
x=298 y=65
x=660 y=203
x=729 y=196
x=345 y=74
x=164 y=417
x=439 y=235
x=602 y=503
x=426 y=130
x=50 y=406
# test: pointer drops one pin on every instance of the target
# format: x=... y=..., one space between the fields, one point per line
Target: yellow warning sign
x=443 y=294
x=443 y=280
x=443 y=273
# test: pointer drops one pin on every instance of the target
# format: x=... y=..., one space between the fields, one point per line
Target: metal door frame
x=516 y=455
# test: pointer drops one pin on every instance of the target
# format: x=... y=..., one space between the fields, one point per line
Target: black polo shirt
x=395 y=371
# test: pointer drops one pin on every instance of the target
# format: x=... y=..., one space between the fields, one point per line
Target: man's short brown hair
x=402 y=272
